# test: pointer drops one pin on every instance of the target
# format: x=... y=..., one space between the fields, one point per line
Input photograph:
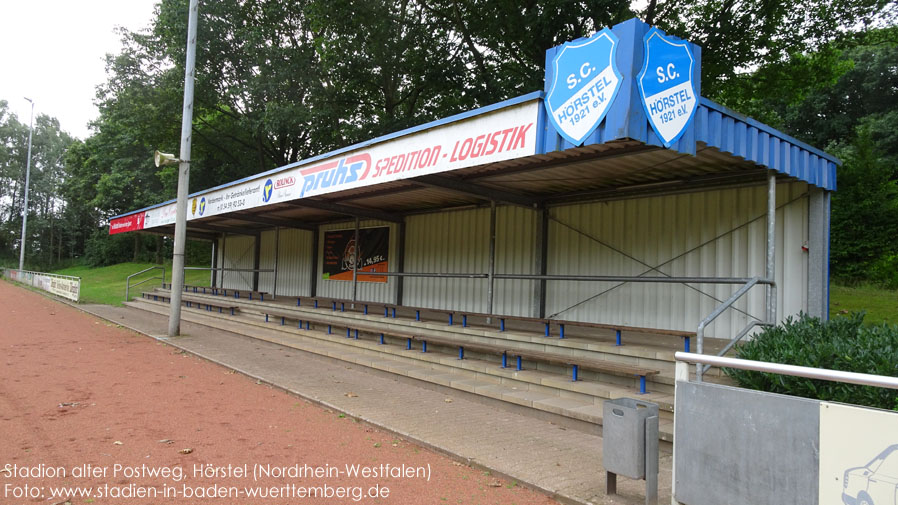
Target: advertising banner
x=64 y=286
x=371 y=255
x=133 y=222
x=495 y=136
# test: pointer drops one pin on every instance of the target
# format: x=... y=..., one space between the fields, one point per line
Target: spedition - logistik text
x=487 y=144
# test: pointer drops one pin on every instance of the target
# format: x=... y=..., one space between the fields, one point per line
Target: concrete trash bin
x=630 y=443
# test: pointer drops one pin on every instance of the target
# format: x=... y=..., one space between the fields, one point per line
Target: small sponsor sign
x=858 y=455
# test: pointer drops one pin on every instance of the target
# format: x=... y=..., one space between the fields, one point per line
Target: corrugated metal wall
x=719 y=233
x=294 y=262
x=447 y=242
x=516 y=246
x=238 y=253
x=709 y=234
x=458 y=242
x=267 y=260
x=367 y=291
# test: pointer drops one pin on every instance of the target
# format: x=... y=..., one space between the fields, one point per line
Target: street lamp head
x=30 y=100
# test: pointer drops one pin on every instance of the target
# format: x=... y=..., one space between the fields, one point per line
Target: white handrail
x=793 y=370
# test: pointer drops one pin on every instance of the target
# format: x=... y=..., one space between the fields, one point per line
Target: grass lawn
x=881 y=305
x=107 y=284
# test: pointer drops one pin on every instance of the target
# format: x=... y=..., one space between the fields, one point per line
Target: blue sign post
x=666 y=86
x=584 y=82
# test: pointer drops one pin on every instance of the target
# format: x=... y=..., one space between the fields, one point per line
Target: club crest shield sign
x=666 y=86
x=584 y=82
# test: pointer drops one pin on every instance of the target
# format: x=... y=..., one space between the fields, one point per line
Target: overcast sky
x=52 y=51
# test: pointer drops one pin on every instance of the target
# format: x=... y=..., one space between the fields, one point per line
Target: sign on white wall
x=858 y=455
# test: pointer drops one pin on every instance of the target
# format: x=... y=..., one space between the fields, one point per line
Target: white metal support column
x=257 y=259
x=491 y=282
x=771 y=246
x=818 y=253
x=223 y=264
x=827 y=212
x=400 y=263
x=313 y=279
x=541 y=262
x=355 y=263
x=277 y=254
x=213 y=275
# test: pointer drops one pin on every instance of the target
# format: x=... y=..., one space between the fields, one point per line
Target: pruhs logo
x=335 y=173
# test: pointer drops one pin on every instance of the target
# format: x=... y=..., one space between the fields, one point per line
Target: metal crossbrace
x=657 y=267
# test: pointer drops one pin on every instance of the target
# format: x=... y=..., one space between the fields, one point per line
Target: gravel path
x=88 y=407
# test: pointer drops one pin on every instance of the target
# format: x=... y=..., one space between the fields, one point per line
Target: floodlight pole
x=27 y=181
x=177 y=274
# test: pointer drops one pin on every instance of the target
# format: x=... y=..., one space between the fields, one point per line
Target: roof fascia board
x=768 y=129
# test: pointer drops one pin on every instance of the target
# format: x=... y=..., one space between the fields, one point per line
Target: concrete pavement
x=564 y=463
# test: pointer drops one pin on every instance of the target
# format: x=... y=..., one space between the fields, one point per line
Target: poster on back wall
x=340 y=253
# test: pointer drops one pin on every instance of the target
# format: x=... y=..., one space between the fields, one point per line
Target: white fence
x=65 y=286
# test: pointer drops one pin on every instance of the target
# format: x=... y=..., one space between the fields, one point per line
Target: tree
x=844 y=97
x=280 y=81
x=49 y=143
x=864 y=210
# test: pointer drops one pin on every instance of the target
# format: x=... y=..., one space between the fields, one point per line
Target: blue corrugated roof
x=721 y=128
x=747 y=138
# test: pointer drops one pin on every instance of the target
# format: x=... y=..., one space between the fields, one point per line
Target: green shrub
x=842 y=343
